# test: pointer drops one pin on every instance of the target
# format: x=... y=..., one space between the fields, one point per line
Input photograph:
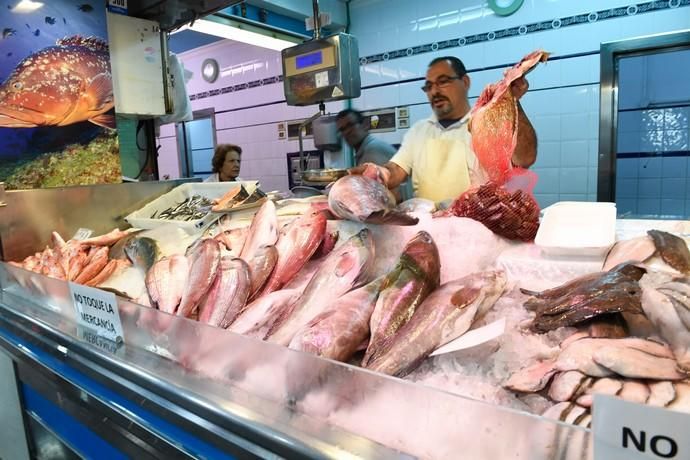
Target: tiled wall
x=248 y=101
x=653 y=131
x=563 y=101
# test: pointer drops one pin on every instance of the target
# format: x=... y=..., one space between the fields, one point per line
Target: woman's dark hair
x=219 y=155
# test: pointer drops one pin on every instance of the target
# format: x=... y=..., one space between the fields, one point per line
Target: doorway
x=644 y=132
x=196 y=141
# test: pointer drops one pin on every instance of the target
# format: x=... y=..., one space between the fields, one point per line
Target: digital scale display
x=309 y=60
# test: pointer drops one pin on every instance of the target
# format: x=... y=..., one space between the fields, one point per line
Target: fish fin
x=465 y=297
x=106 y=121
x=101 y=91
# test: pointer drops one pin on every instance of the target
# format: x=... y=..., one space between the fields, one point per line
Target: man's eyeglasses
x=442 y=82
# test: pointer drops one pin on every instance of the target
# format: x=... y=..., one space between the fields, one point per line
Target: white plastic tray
x=142 y=217
x=579 y=229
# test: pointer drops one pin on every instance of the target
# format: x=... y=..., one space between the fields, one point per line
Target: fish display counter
x=337 y=328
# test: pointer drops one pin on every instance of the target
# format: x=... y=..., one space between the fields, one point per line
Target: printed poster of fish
x=57 y=121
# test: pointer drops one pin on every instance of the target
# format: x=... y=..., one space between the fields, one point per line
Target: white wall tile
x=674 y=167
x=574 y=153
x=574 y=126
x=573 y=180
x=650 y=167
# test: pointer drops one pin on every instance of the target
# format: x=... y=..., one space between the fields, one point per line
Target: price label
x=117 y=6
x=97 y=310
x=82 y=234
x=321 y=79
x=628 y=431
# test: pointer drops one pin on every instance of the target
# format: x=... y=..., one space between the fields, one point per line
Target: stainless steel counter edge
x=224 y=428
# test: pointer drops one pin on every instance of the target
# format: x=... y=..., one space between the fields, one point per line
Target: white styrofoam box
x=142 y=217
x=577 y=229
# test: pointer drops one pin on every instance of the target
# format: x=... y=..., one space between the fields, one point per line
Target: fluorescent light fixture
x=239 y=35
x=26 y=6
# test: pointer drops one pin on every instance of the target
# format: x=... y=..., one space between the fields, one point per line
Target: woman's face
x=231 y=166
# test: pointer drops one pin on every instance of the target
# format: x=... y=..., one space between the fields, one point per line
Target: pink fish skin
x=415 y=276
x=497 y=121
x=296 y=245
x=233 y=239
x=338 y=331
x=362 y=199
x=97 y=259
x=445 y=315
x=263 y=231
x=260 y=267
x=227 y=295
x=107 y=239
x=345 y=268
x=203 y=268
x=166 y=281
x=60 y=85
x=257 y=318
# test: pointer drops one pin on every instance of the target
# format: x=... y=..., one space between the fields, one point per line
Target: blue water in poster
x=56 y=98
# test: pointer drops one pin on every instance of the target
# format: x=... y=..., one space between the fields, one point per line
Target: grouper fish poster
x=57 y=122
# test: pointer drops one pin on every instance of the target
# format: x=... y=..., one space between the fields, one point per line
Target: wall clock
x=209 y=70
x=505 y=7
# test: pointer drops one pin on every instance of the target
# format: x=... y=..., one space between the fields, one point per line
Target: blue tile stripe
x=557 y=23
x=667 y=154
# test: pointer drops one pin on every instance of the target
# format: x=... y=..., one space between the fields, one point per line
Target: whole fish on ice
x=445 y=315
x=204 y=262
x=63 y=84
x=415 y=276
x=345 y=268
x=227 y=295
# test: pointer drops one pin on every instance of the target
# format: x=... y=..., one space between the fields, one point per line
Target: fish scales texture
x=345 y=268
x=60 y=85
x=362 y=199
x=443 y=316
x=415 y=276
x=203 y=268
x=337 y=332
x=260 y=268
x=227 y=295
x=295 y=247
x=257 y=318
x=496 y=119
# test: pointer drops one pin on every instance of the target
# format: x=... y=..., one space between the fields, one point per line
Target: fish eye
x=17 y=85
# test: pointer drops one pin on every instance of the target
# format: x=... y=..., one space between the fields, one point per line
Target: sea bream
x=415 y=276
x=204 y=262
x=445 y=315
x=347 y=267
x=66 y=83
x=227 y=295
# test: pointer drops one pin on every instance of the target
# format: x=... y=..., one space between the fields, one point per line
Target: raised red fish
x=260 y=268
x=498 y=121
x=257 y=318
x=60 y=85
x=263 y=231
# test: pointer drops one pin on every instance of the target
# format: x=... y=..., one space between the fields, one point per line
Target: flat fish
x=497 y=121
x=415 y=276
x=672 y=250
x=362 y=199
x=446 y=314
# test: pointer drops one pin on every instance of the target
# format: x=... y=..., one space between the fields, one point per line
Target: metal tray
x=323 y=175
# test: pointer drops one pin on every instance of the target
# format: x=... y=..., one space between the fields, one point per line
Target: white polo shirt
x=440 y=160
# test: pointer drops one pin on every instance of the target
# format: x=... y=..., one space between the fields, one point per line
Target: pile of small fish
x=193 y=208
x=82 y=261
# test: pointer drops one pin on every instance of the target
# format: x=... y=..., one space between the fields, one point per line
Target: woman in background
x=226 y=163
